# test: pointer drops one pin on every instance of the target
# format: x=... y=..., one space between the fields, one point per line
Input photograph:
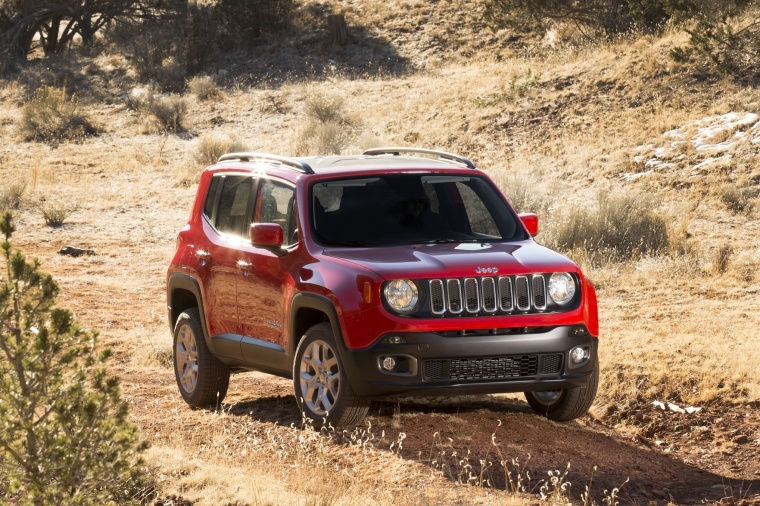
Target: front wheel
x=322 y=390
x=564 y=405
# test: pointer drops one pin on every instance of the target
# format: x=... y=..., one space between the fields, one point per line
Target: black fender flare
x=181 y=281
x=325 y=305
x=320 y=303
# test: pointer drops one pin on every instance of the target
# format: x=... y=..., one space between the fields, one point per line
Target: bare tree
x=55 y=23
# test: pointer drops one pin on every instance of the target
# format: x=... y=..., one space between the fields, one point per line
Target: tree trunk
x=337 y=33
x=51 y=41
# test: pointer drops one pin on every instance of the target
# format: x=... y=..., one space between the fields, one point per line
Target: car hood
x=456 y=260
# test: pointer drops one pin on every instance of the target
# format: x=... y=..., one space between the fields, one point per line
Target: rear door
x=225 y=227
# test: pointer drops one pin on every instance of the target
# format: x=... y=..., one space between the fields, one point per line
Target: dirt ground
x=655 y=456
x=130 y=205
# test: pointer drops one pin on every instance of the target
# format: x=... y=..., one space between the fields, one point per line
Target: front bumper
x=434 y=364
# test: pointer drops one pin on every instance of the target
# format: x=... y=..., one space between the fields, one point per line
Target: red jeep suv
x=399 y=272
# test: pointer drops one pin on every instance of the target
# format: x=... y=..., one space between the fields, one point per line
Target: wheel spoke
x=331 y=363
x=325 y=399
x=333 y=383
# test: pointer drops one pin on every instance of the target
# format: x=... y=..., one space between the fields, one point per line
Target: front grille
x=491 y=368
x=517 y=366
x=473 y=296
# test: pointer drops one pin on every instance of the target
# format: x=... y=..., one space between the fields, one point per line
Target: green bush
x=725 y=41
x=51 y=116
x=65 y=435
x=618 y=229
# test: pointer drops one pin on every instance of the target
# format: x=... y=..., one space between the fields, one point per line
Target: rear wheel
x=202 y=379
x=564 y=405
x=322 y=389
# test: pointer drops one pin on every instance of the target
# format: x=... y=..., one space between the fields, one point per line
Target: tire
x=565 y=405
x=322 y=390
x=202 y=379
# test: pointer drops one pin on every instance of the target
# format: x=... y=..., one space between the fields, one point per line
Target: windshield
x=410 y=209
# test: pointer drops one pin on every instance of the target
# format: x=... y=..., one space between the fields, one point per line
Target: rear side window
x=231 y=217
x=208 y=206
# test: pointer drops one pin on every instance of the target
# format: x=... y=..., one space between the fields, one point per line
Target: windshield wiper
x=449 y=240
x=355 y=244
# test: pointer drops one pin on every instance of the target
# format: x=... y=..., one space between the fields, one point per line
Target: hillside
x=558 y=126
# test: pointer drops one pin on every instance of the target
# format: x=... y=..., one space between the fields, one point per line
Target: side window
x=233 y=205
x=481 y=221
x=209 y=205
x=276 y=204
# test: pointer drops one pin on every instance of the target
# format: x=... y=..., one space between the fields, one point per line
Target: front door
x=265 y=283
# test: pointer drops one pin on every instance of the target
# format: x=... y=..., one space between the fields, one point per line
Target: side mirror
x=266 y=235
x=530 y=220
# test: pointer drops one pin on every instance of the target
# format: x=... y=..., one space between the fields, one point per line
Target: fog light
x=578 y=354
x=389 y=363
x=395 y=340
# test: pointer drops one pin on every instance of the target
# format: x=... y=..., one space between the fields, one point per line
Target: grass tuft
x=52 y=117
x=12 y=195
x=168 y=112
x=203 y=87
x=327 y=131
x=56 y=212
x=620 y=228
x=211 y=147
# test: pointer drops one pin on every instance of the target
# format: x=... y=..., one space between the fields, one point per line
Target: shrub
x=525 y=196
x=736 y=199
x=723 y=40
x=56 y=212
x=600 y=16
x=50 y=116
x=203 y=87
x=327 y=129
x=621 y=228
x=12 y=195
x=168 y=112
x=66 y=438
x=722 y=258
x=251 y=17
x=211 y=147
x=325 y=107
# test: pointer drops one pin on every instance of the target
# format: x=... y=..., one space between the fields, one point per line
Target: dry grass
x=51 y=116
x=572 y=131
x=327 y=128
x=204 y=87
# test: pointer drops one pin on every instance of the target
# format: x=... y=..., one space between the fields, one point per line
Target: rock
x=740 y=439
x=75 y=252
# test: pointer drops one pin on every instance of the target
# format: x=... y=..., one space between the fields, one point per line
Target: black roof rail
x=440 y=154
x=266 y=157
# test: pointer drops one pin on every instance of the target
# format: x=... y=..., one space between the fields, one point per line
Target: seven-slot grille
x=504 y=294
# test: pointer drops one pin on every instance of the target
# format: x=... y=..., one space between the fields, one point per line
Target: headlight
x=402 y=295
x=561 y=288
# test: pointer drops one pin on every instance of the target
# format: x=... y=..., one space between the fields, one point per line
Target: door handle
x=244 y=265
x=202 y=254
